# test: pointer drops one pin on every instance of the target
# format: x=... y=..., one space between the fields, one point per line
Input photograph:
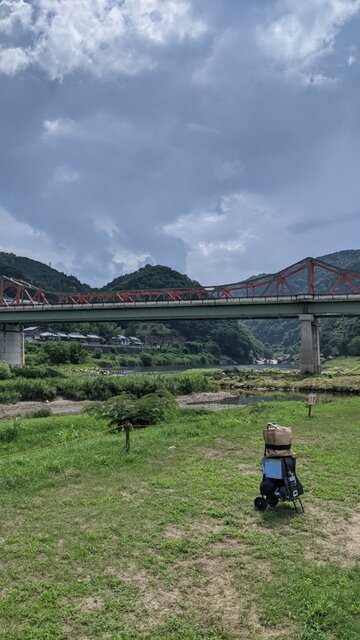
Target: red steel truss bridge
x=309 y=278
x=307 y=290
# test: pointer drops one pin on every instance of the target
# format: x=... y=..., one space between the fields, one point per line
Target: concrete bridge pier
x=12 y=344
x=310 y=344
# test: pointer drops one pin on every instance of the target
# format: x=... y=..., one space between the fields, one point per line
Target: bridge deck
x=240 y=308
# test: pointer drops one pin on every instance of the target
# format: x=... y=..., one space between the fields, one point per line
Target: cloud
x=230 y=158
x=102 y=37
x=13 y=60
x=125 y=261
x=25 y=240
x=14 y=14
x=217 y=239
x=58 y=127
x=303 y=32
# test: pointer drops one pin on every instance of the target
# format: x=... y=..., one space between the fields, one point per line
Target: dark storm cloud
x=222 y=140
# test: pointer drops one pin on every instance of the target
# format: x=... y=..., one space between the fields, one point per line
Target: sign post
x=311 y=402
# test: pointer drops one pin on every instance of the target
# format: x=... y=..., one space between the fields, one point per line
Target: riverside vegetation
x=164 y=543
x=45 y=383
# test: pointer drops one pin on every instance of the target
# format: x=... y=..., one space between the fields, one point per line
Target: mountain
x=336 y=335
x=152 y=277
x=221 y=337
x=226 y=337
x=39 y=274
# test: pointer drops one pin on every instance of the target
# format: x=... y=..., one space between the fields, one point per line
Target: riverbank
x=275 y=380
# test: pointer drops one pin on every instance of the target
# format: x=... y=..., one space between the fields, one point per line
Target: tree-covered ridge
x=152 y=277
x=38 y=273
x=338 y=335
x=218 y=337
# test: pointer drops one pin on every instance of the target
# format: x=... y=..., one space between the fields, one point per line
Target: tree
x=354 y=346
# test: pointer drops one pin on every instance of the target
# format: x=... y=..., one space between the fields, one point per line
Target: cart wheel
x=260 y=504
x=272 y=502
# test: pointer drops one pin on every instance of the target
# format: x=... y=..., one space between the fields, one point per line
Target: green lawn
x=164 y=543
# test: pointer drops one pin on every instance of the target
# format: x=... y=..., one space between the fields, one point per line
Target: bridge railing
x=242 y=300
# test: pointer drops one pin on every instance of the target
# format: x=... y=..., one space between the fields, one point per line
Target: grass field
x=164 y=543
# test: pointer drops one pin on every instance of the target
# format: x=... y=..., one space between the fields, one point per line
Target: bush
x=155 y=407
x=9 y=396
x=105 y=364
x=149 y=409
x=103 y=387
x=41 y=412
x=5 y=371
x=64 y=353
x=117 y=409
x=35 y=389
x=354 y=346
x=9 y=434
x=146 y=359
x=37 y=372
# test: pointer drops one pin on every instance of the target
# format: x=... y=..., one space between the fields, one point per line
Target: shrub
x=37 y=372
x=9 y=396
x=9 y=434
x=149 y=409
x=105 y=364
x=146 y=359
x=118 y=409
x=5 y=371
x=155 y=407
x=41 y=412
x=35 y=389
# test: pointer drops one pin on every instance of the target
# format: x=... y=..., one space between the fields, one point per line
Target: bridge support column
x=12 y=344
x=310 y=345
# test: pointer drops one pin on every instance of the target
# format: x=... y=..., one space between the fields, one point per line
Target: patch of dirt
x=207 y=587
x=207 y=400
x=58 y=406
x=333 y=536
x=198 y=529
x=353 y=536
x=248 y=469
x=89 y=604
x=212 y=453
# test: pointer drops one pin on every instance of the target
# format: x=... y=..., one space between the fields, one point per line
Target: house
x=49 y=336
x=63 y=336
x=31 y=333
x=76 y=337
x=155 y=340
x=121 y=341
x=92 y=338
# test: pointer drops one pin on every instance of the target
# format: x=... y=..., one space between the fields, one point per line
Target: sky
x=218 y=137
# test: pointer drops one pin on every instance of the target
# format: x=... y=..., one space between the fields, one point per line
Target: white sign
x=311 y=399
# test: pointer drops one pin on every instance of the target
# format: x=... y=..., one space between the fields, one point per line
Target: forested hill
x=150 y=277
x=338 y=336
x=39 y=274
x=349 y=259
x=220 y=337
